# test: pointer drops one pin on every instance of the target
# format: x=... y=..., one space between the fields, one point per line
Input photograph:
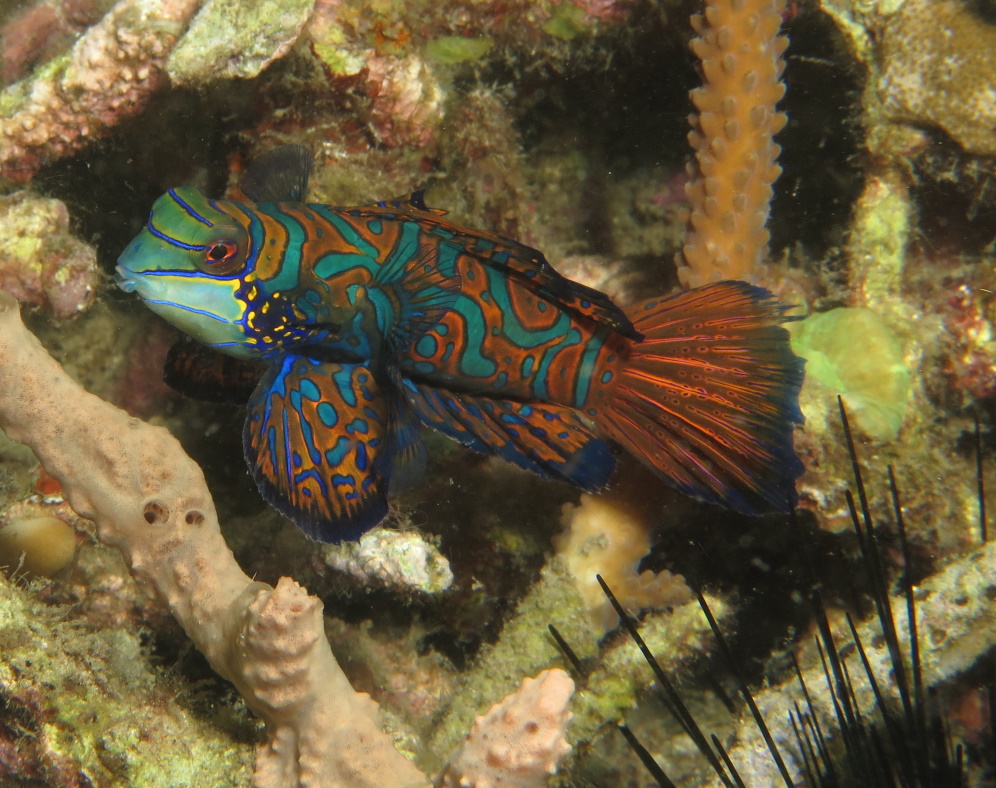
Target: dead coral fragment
x=232 y=38
x=40 y=262
x=937 y=59
x=520 y=741
x=401 y=560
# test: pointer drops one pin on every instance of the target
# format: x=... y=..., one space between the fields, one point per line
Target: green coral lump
x=854 y=352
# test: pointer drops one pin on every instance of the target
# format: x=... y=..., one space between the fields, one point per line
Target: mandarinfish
x=371 y=322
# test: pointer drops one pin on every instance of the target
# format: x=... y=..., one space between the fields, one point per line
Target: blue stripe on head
x=186 y=308
x=170 y=240
x=190 y=211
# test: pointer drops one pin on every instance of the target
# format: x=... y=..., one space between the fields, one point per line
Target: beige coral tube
x=149 y=499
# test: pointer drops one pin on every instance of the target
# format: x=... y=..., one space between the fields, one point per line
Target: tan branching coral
x=109 y=74
x=732 y=135
x=149 y=500
x=524 y=734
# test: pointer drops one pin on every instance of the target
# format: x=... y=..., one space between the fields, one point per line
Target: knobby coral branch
x=730 y=186
x=150 y=500
x=109 y=74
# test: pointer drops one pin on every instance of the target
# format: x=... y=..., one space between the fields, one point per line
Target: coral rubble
x=41 y=263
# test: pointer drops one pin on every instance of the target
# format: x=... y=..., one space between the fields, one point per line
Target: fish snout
x=125 y=279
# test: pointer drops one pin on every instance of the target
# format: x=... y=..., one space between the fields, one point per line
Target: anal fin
x=549 y=440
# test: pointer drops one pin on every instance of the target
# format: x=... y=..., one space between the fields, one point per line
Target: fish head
x=189 y=265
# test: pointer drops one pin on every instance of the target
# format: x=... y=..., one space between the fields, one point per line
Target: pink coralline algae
x=40 y=262
x=971 y=364
x=407 y=100
x=109 y=74
x=42 y=31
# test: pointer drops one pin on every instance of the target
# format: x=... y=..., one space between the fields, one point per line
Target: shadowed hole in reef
x=178 y=139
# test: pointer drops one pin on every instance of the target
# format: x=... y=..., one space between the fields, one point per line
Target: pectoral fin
x=315 y=443
x=207 y=375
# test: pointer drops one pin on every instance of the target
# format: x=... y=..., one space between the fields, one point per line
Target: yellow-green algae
x=101 y=708
x=567 y=22
x=458 y=49
x=854 y=352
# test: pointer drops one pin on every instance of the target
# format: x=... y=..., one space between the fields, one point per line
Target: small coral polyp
x=608 y=534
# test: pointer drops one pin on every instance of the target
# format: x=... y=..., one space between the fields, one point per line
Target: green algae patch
x=567 y=23
x=524 y=649
x=675 y=637
x=853 y=352
x=88 y=703
x=458 y=49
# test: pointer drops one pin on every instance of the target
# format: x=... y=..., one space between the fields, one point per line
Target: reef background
x=561 y=124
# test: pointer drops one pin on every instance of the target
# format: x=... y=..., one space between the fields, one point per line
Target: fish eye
x=221 y=252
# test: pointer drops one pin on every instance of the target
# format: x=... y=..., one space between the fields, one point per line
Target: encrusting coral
x=110 y=73
x=732 y=135
x=149 y=500
x=607 y=535
x=41 y=263
x=947 y=79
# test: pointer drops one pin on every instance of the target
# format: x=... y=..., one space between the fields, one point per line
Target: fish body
x=371 y=322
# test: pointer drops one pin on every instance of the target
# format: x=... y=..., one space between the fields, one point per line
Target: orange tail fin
x=710 y=396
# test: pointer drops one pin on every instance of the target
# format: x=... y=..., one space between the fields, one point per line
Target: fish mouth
x=124 y=279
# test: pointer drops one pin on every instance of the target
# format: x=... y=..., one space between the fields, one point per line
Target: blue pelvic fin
x=548 y=440
x=315 y=442
x=279 y=175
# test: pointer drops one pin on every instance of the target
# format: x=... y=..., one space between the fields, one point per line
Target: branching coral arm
x=149 y=499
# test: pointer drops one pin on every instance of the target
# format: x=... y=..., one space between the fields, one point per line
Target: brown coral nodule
x=109 y=74
x=732 y=135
